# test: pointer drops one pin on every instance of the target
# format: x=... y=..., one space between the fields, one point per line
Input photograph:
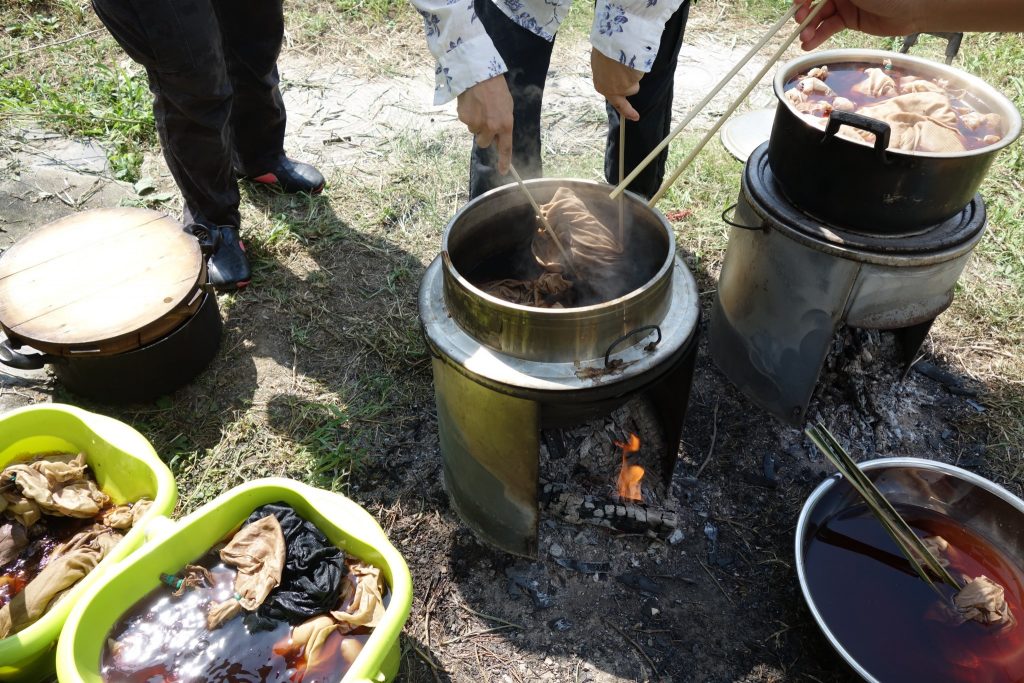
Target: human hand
x=616 y=82
x=486 y=109
x=877 y=17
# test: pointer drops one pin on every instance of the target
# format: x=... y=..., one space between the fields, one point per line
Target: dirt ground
x=721 y=604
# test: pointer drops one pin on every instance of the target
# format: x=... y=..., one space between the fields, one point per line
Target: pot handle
x=631 y=333
x=880 y=129
x=22 y=361
x=755 y=228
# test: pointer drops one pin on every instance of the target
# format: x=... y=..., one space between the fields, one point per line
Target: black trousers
x=212 y=67
x=527 y=57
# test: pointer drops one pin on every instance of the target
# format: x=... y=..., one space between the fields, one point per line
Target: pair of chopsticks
x=919 y=556
x=714 y=91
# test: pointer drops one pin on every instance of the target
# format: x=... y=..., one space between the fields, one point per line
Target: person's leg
x=178 y=42
x=654 y=104
x=527 y=57
x=252 y=33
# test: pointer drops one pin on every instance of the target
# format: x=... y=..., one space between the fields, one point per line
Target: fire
x=630 y=475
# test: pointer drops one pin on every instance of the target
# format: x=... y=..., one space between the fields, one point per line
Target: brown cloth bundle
x=257 y=551
x=363 y=602
x=55 y=484
x=547 y=287
x=68 y=564
x=592 y=247
x=126 y=516
x=876 y=83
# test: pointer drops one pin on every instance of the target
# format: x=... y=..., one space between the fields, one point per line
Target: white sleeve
x=629 y=31
x=465 y=53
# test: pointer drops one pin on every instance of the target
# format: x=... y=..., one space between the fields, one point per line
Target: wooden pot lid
x=100 y=282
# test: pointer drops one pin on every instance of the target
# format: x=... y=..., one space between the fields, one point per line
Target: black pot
x=135 y=376
x=871 y=189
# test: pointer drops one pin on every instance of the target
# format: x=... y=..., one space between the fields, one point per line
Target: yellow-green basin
x=182 y=542
x=125 y=466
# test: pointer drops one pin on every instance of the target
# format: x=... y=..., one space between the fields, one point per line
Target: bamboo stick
x=739 y=100
x=622 y=170
x=696 y=109
x=543 y=220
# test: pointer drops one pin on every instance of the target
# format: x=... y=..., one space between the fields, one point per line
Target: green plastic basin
x=174 y=544
x=125 y=466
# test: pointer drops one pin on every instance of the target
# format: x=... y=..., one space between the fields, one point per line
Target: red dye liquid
x=44 y=536
x=164 y=639
x=842 y=78
x=891 y=622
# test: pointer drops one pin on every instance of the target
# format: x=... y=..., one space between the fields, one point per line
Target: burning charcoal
x=639 y=582
x=583 y=567
x=560 y=624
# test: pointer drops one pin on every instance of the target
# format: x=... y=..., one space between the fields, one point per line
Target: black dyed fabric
x=313 y=572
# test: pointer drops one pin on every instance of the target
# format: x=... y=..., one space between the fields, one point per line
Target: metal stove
x=788 y=282
x=503 y=372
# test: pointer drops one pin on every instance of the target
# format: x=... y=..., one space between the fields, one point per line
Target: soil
x=720 y=602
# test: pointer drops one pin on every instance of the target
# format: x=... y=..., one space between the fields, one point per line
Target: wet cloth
x=257 y=551
x=362 y=600
x=983 y=600
x=876 y=83
x=126 y=516
x=12 y=540
x=57 y=484
x=920 y=121
x=67 y=564
x=594 y=249
x=313 y=571
x=544 y=292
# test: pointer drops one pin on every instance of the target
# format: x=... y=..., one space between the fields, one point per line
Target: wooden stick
x=547 y=226
x=622 y=171
x=690 y=115
x=739 y=100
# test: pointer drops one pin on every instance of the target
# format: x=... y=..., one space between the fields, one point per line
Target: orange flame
x=630 y=475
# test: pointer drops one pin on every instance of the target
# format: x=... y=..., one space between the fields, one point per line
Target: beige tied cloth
x=876 y=83
x=922 y=122
x=549 y=286
x=12 y=540
x=126 y=516
x=257 y=551
x=983 y=600
x=592 y=247
x=66 y=566
x=55 y=484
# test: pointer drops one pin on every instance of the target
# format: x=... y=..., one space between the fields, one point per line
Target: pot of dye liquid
x=887 y=623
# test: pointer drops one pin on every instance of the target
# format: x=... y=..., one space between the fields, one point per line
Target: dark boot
x=289 y=176
x=227 y=267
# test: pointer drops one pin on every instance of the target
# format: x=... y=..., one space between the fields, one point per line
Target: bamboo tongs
x=714 y=91
x=917 y=553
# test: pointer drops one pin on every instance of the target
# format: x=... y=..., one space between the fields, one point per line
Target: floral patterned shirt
x=626 y=30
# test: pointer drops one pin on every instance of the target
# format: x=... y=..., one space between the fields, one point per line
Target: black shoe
x=290 y=176
x=227 y=267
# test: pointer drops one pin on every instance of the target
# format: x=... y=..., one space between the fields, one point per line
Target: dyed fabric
x=126 y=516
x=257 y=551
x=544 y=292
x=983 y=600
x=592 y=247
x=12 y=541
x=55 y=484
x=362 y=600
x=313 y=571
x=67 y=564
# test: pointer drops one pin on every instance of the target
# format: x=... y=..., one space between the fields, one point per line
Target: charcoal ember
x=541 y=597
x=583 y=567
x=639 y=582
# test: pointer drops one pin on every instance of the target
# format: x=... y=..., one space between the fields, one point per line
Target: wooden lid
x=100 y=282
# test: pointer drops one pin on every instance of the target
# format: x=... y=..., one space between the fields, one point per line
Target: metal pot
x=868 y=188
x=140 y=375
x=982 y=506
x=502 y=222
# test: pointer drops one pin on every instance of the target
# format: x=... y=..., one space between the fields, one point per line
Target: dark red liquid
x=885 y=616
x=164 y=639
x=44 y=536
x=842 y=78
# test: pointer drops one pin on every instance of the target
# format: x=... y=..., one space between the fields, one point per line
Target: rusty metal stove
x=503 y=372
x=788 y=282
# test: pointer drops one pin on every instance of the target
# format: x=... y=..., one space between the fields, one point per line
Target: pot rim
x=988 y=94
x=823 y=488
x=577 y=311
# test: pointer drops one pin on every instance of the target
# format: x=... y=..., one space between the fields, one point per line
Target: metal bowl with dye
x=983 y=507
x=502 y=222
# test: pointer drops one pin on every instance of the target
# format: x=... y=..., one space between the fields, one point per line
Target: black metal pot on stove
x=869 y=188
